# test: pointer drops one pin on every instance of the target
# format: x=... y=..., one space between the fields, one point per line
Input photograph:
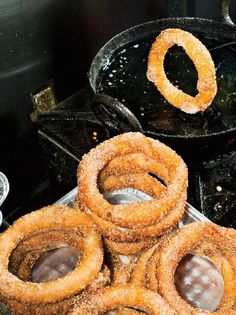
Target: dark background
x=56 y=40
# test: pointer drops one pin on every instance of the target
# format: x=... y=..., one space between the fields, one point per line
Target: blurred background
x=51 y=43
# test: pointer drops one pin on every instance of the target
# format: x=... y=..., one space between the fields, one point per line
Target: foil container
x=4 y=190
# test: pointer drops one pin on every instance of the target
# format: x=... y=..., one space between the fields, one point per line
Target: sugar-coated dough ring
x=184 y=241
x=23 y=259
x=139 y=181
x=44 y=242
x=60 y=307
x=138 y=275
x=134 y=163
x=139 y=214
x=118 y=234
x=37 y=246
x=121 y=236
x=60 y=217
x=126 y=248
x=122 y=267
x=152 y=263
x=116 y=238
x=113 y=297
x=202 y=60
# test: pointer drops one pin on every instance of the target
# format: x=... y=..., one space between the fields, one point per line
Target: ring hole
x=54 y=264
x=125 y=311
x=180 y=70
x=199 y=282
x=158 y=179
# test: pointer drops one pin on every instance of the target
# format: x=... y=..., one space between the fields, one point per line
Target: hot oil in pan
x=125 y=79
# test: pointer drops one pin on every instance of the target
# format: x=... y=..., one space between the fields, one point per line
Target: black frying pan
x=125 y=100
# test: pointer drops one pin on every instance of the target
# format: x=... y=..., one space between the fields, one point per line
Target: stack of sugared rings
x=142 y=251
x=130 y=160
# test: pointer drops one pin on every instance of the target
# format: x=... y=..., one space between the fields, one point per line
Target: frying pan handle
x=224 y=4
x=114 y=115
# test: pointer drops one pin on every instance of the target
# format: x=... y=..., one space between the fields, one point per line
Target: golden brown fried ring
x=63 y=218
x=152 y=263
x=134 y=163
x=140 y=181
x=186 y=241
x=122 y=268
x=29 y=252
x=44 y=241
x=138 y=275
x=63 y=306
x=60 y=307
x=38 y=245
x=117 y=296
x=24 y=258
x=129 y=248
x=118 y=234
x=202 y=60
x=145 y=183
x=139 y=214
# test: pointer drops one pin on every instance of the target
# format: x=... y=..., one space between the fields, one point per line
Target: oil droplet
x=219 y=188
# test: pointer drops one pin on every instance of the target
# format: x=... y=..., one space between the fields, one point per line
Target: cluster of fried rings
x=202 y=60
x=32 y=235
x=156 y=267
x=142 y=281
x=154 y=273
x=128 y=160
